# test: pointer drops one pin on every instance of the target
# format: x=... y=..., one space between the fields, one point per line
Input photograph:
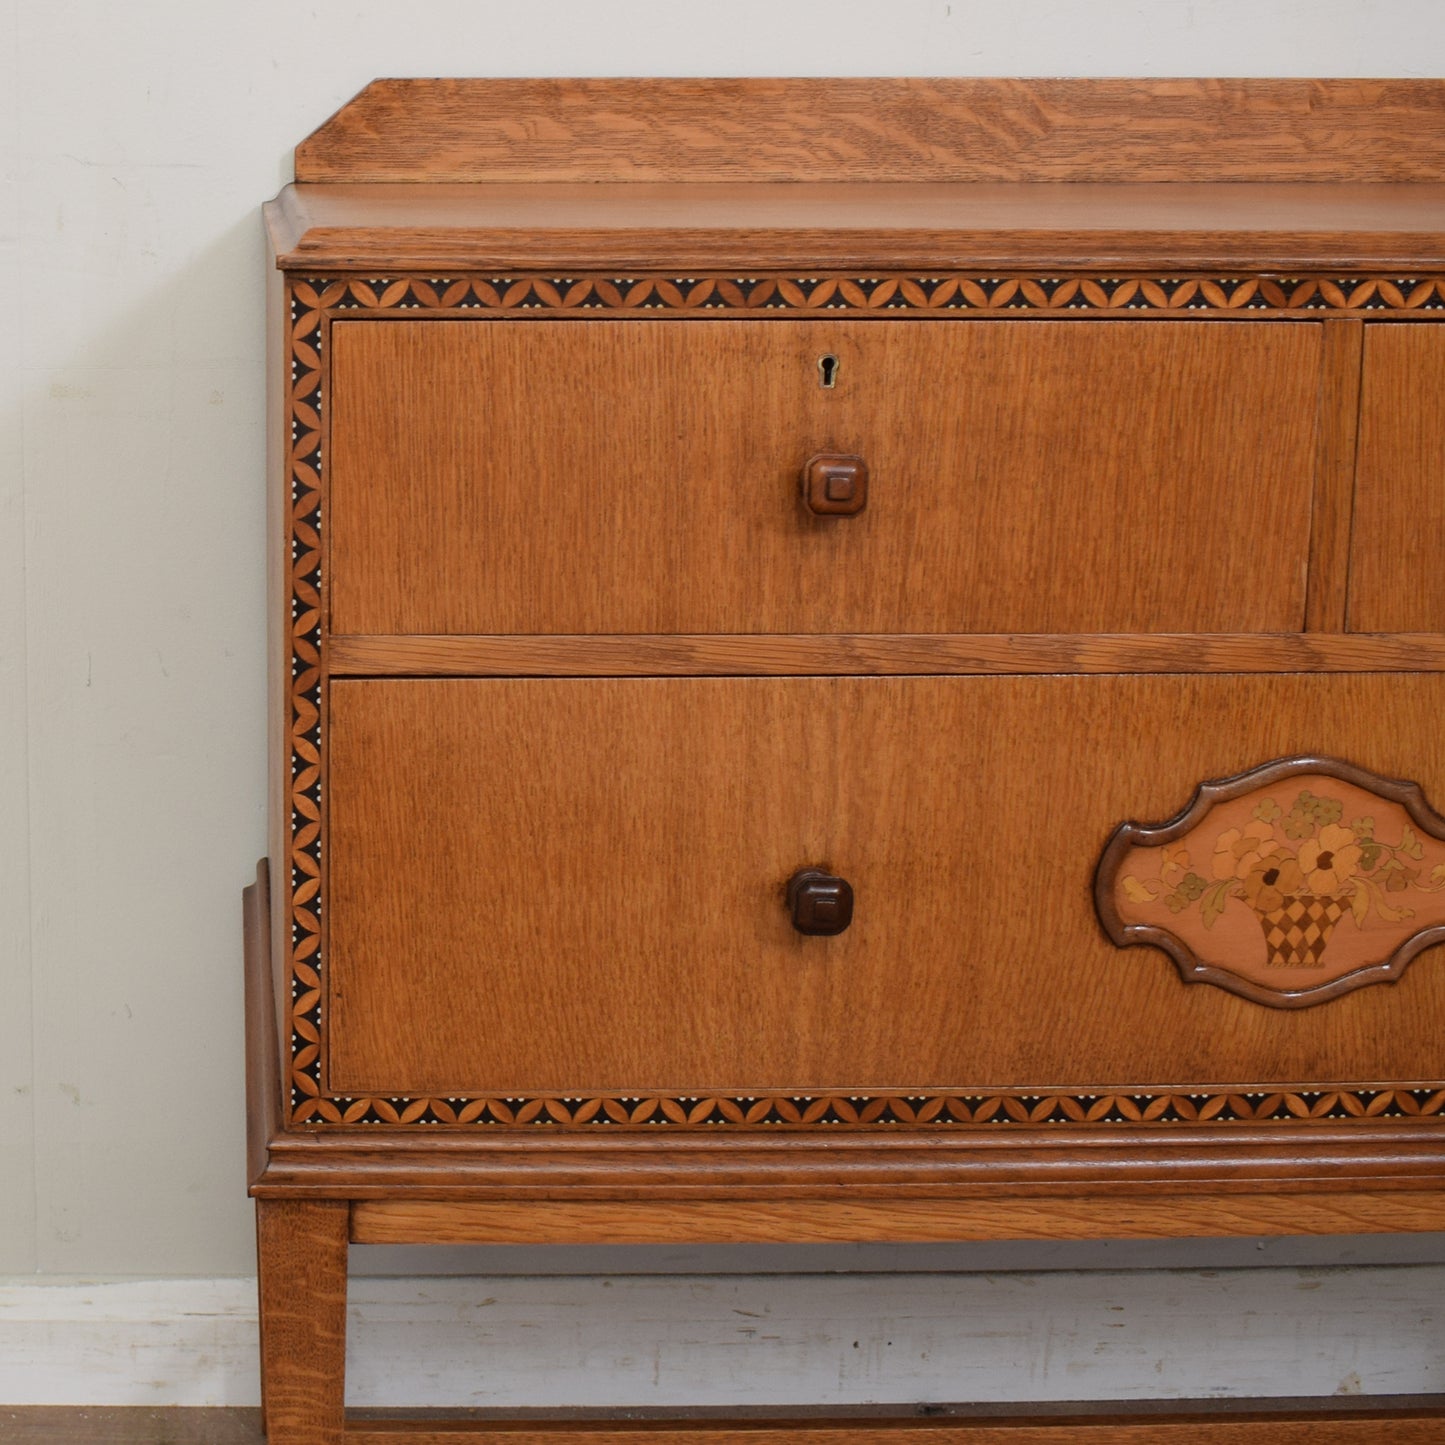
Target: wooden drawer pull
x=820 y=903
x=835 y=485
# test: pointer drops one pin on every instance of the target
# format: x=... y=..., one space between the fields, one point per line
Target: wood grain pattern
x=546 y=827
x=1399 y=518
x=453 y=509
x=1335 y=477
x=825 y=1220
x=1255 y=227
x=301 y=1250
x=763 y=654
x=874 y=129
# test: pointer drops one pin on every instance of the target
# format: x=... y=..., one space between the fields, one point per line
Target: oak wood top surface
x=879 y=128
x=816 y=224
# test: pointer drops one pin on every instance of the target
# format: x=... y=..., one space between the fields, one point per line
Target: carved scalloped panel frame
x=1291 y=884
x=313 y=300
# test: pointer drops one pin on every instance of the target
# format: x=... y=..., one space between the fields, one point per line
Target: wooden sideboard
x=854 y=660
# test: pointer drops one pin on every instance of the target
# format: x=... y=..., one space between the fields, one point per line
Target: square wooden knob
x=834 y=485
x=820 y=903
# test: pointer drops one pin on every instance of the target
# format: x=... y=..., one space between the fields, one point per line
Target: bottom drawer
x=568 y=886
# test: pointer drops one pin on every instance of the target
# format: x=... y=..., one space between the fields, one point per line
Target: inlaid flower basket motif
x=1289 y=884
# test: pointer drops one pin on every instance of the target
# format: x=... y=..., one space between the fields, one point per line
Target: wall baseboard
x=659 y=1340
x=129 y=1342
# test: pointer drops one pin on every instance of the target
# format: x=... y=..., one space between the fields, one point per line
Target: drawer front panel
x=583 y=476
x=566 y=885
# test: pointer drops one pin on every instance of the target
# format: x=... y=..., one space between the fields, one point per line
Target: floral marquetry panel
x=1290 y=884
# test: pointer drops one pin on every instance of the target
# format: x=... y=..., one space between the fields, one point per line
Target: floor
x=1390 y=1420
x=132 y=1425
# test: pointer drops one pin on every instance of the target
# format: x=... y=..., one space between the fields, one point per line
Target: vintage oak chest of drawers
x=854 y=660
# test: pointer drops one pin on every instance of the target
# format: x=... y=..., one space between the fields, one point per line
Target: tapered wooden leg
x=301 y=1262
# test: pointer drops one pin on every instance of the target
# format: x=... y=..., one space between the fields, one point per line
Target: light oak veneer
x=581 y=851
x=1039 y=479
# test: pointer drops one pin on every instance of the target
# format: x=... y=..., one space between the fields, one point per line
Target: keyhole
x=828 y=371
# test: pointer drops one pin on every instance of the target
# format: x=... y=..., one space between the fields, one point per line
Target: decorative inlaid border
x=991 y=1110
x=304 y=721
x=312 y=300
x=891 y=293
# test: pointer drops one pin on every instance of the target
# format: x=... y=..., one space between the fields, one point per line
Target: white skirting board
x=720 y=1339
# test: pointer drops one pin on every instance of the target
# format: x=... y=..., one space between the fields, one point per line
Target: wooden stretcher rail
x=808 y=1221
x=1190 y=1423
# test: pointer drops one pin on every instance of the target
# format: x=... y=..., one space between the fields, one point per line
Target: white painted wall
x=138 y=141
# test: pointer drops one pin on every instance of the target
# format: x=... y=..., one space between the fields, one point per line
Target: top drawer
x=641 y=476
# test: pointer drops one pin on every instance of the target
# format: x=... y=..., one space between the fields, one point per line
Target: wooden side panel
x=513 y=861
x=1396 y=576
x=872 y=129
x=577 y=477
x=263 y=1043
